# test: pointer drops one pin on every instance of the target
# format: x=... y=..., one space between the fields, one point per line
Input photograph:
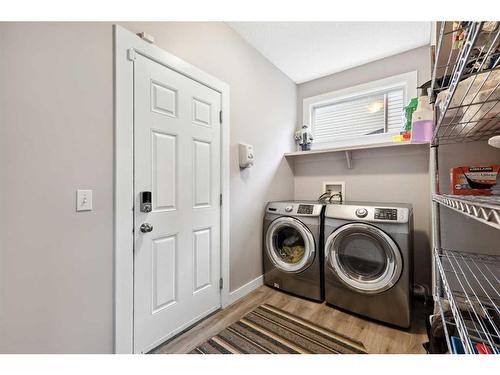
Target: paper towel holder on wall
x=246 y=155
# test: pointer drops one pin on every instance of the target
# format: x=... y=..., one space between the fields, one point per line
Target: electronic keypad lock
x=146 y=205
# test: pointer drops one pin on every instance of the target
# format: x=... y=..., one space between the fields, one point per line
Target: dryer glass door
x=290 y=244
x=364 y=257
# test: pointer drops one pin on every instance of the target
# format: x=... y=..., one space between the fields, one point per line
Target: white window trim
x=407 y=81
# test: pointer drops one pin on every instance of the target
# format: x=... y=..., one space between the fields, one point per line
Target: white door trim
x=126 y=45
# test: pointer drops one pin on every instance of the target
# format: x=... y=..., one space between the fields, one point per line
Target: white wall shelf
x=347 y=150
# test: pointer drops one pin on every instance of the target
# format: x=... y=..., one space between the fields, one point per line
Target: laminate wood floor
x=376 y=337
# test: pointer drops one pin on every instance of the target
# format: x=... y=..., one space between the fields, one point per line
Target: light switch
x=84 y=200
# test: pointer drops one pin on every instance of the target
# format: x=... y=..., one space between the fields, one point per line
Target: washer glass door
x=290 y=244
x=364 y=257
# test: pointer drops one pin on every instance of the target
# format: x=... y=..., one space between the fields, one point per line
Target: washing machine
x=368 y=263
x=293 y=248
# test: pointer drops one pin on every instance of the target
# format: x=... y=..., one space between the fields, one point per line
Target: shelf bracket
x=348 y=159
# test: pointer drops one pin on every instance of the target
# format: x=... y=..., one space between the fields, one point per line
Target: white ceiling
x=309 y=50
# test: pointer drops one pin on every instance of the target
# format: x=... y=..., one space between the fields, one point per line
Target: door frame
x=126 y=46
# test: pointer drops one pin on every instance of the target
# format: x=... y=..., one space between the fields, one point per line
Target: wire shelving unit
x=484 y=209
x=472 y=291
x=466 y=96
x=465 y=82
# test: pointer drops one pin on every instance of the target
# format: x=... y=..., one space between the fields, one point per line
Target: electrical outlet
x=83 y=200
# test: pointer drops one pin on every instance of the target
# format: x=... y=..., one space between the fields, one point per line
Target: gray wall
x=56 y=135
x=398 y=174
x=394 y=174
x=388 y=174
x=415 y=59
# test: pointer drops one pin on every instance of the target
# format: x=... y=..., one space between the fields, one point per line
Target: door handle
x=146 y=228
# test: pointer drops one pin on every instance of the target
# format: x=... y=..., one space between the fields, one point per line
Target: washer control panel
x=294 y=208
x=386 y=214
x=305 y=209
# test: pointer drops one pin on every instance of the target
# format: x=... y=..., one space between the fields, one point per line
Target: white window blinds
x=377 y=113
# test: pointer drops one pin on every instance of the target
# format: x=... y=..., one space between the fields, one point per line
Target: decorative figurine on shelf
x=304 y=138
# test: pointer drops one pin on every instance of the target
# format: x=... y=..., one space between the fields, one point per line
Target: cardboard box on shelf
x=475 y=180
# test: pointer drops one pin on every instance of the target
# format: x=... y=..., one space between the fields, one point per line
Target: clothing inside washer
x=289 y=244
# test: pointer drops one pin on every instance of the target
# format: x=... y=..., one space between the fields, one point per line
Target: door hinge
x=131 y=54
x=220 y=199
x=220 y=117
x=221 y=283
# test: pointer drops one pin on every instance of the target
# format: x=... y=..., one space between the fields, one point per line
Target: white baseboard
x=242 y=291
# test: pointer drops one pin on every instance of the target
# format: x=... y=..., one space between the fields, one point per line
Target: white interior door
x=177 y=159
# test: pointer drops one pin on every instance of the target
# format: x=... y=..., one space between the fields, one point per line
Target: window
x=366 y=115
x=362 y=115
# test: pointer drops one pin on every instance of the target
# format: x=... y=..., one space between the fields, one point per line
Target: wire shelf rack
x=470 y=284
x=465 y=82
x=447 y=322
x=485 y=209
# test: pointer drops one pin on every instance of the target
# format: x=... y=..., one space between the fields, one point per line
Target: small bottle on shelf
x=422 y=121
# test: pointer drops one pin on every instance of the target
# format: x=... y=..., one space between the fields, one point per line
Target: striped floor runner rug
x=268 y=329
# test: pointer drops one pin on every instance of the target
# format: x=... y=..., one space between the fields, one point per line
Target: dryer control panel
x=386 y=213
x=306 y=209
x=361 y=211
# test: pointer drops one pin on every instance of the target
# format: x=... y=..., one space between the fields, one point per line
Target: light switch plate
x=83 y=200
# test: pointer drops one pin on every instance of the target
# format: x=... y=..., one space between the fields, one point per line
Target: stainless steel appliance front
x=292 y=248
x=368 y=260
